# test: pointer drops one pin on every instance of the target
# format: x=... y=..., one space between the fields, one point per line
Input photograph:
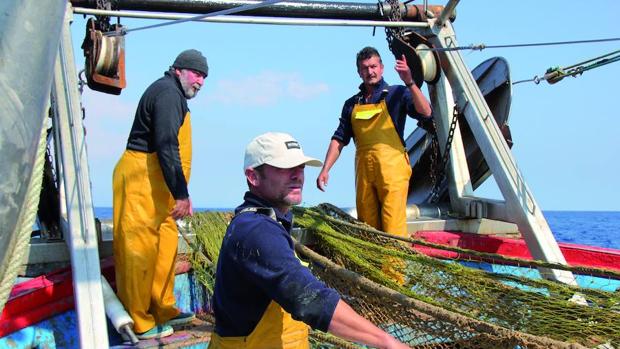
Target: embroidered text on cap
x=292 y=145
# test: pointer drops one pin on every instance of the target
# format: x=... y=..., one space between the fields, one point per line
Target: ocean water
x=593 y=228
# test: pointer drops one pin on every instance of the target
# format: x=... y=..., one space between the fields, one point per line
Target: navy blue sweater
x=399 y=103
x=257 y=264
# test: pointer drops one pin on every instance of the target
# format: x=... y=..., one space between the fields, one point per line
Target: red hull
x=45 y=296
x=576 y=255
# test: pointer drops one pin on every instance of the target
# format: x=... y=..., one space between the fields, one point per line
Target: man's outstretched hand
x=321 y=180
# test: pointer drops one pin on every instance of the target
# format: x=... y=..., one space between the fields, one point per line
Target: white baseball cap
x=278 y=150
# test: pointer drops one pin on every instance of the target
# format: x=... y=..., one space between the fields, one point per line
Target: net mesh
x=427 y=302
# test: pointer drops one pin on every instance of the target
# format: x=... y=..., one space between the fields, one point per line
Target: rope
x=192 y=244
x=229 y=11
x=593 y=59
x=481 y=47
x=553 y=75
x=23 y=228
x=338 y=342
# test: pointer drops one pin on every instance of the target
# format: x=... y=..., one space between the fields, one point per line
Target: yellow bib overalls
x=382 y=173
x=145 y=235
x=275 y=330
x=382 y=169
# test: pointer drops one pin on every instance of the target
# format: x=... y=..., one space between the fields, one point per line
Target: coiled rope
x=23 y=228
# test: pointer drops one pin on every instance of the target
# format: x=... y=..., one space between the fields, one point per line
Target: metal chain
x=438 y=174
x=433 y=171
x=104 y=21
x=394 y=16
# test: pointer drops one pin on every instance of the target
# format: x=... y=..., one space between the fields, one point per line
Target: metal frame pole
x=447 y=12
x=519 y=199
x=78 y=217
x=253 y=20
x=298 y=8
x=458 y=172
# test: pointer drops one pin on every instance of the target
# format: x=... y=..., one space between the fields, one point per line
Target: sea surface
x=593 y=228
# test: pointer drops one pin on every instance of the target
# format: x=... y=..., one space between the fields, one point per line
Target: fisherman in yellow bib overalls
x=264 y=297
x=375 y=119
x=150 y=193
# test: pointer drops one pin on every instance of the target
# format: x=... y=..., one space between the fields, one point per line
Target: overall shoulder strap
x=360 y=95
x=384 y=93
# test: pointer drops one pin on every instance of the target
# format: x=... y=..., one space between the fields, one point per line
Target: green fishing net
x=428 y=302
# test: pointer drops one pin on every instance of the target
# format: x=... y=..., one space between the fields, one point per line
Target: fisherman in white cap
x=264 y=297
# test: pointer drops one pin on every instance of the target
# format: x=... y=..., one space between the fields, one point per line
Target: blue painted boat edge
x=60 y=331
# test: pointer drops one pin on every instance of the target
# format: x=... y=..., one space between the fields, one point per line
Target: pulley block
x=422 y=60
x=105 y=58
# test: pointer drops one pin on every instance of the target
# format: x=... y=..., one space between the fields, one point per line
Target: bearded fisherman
x=150 y=194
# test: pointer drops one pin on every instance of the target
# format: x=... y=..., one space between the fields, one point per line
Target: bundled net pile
x=209 y=228
x=431 y=303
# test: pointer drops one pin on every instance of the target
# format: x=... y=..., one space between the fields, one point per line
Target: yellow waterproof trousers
x=382 y=169
x=275 y=330
x=145 y=235
x=382 y=173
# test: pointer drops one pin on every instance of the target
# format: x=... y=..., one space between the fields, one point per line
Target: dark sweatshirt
x=256 y=265
x=159 y=116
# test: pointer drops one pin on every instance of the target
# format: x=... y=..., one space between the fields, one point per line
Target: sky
x=295 y=79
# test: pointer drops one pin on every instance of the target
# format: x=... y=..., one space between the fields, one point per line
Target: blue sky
x=294 y=79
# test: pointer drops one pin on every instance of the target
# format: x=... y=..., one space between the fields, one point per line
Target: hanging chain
x=394 y=16
x=438 y=174
x=433 y=171
x=104 y=21
x=437 y=171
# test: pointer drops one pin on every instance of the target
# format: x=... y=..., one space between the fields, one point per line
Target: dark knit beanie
x=191 y=59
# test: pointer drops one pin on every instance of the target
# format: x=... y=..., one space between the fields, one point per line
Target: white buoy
x=115 y=311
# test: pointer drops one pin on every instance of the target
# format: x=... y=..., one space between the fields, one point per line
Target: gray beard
x=188 y=90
